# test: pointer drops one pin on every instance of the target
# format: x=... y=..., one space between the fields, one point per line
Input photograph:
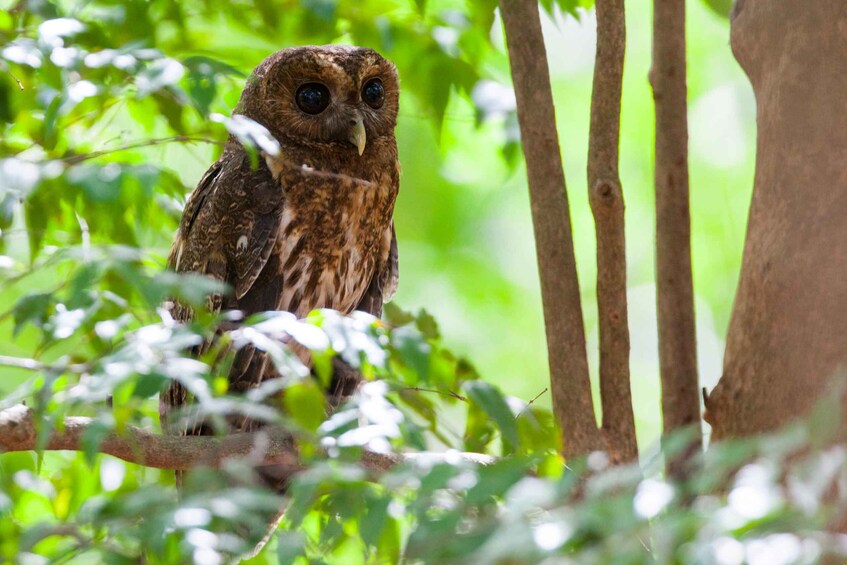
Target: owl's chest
x=329 y=247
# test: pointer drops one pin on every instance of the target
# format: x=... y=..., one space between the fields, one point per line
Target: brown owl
x=316 y=235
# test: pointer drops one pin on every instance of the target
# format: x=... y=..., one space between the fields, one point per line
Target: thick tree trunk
x=788 y=333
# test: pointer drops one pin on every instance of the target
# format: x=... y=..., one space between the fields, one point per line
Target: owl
x=316 y=235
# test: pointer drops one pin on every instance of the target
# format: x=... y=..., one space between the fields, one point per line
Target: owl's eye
x=312 y=98
x=373 y=93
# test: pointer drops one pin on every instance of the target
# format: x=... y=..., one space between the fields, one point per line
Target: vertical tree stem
x=606 y=197
x=567 y=357
x=674 y=287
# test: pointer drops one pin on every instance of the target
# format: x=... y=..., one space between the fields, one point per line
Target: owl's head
x=338 y=95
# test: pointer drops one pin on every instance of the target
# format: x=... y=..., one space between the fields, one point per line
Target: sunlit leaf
x=495 y=406
x=720 y=7
x=305 y=403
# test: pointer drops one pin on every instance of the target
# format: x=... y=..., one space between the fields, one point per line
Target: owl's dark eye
x=373 y=93
x=312 y=98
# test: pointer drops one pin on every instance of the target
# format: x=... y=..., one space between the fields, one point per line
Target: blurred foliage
x=104 y=130
x=106 y=122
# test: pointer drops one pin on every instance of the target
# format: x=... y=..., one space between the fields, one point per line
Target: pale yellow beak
x=358 y=137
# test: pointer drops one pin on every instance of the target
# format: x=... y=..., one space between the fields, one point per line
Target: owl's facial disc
x=357 y=135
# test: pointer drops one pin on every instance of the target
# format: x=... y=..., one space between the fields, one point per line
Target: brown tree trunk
x=674 y=286
x=788 y=333
x=567 y=356
x=607 y=204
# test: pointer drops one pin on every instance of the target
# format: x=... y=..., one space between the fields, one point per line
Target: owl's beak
x=357 y=136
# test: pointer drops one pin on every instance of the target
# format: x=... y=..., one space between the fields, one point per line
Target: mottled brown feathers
x=302 y=237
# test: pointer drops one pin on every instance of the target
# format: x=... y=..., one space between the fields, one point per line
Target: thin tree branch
x=75 y=159
x=560 y=294
x=529 y=404
x=674 y=286
x=35 y=365
x=606 y=197
x=269 y=446
x=16 y=79
x=449 y=393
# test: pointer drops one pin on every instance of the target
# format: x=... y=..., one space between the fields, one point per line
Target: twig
x=75 y=159
x=560 y=296
x=528 y=404
x=674 y=286
x=16 y=79
x=35 y=365
x=449 y=393
x=269 y=446
x=536 y=397
x=607 y=204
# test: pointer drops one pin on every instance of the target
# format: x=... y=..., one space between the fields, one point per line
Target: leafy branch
x=273 y=445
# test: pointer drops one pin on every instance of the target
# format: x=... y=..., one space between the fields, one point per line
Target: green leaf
x=92 y=438
x=720 y=7
x=35 y=308
x=494 y=480
x=290 y=545
x=374 y=520
x=479 y=430
x=396 y=316
x=203 y=73
x=537 y=430
x=7 y=114
x=36 y=213
x=306 y=404
x=413 y=349
x=50 y=134
x=570 y=6
x=482 y=14
x=390 y=542
x=494 y=404
x=171 y=109
x=148 y=385
x=427 y=324
x=252 y=135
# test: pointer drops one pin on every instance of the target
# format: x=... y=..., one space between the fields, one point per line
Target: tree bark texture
x=567 y=356
x=788 y=333
x=674 y=286
x=607 y=204
x=269 y=446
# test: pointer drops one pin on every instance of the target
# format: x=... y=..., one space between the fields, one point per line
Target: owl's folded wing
x=384 y=282
x=228 y=231
x=229 y=227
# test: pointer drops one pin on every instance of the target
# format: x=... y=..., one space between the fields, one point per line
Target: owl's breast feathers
x=334 y=235
x=293 y=237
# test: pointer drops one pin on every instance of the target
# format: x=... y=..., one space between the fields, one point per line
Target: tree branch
x=75 y=159
x=674 y=286
x=269 y=446
x=606 y=197
x=567 y=357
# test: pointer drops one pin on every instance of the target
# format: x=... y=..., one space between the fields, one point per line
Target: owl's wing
x=227 y=232
x=384 y=282
x=229 y=227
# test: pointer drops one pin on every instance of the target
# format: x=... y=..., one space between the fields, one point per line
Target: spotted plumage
x=311 y=228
